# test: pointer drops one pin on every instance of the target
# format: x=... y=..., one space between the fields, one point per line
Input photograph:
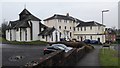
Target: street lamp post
x=102 y=14
x=103 y=22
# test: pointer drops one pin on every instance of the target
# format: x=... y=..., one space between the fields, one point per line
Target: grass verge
x=23 y=43
x=108 y=57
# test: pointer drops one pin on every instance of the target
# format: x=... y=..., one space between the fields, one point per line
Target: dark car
x=108 y=42
x=87 y=41
x=94 y=42
x=55 y=47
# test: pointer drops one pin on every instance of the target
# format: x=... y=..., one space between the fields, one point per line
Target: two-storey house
x=65 y=25
x=90 y=30
x=110 y=34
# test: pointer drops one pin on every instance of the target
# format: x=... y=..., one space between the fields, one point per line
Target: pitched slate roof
x=43 y=26
x=12 y=24
x=90 y=23
x=65 y=17
x=24 y=17
x=110 y=31
x=47 y=31
x=25 y=14
x=25 y=11
x=32 y=17
x=22 y=24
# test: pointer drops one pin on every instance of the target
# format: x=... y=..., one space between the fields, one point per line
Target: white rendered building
x=73 y=28
x=26 y=28
x=29 y=28
x=90 y=30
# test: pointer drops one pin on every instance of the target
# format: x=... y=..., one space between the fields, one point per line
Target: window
x=98 y=27
x=81 y=28
x=25 y=34
x=84 y=28
x=65 y=21
x=59 y=27
x=85 y=37
x=74 y=28
x=70 y=27
x=70 y=34
x=17 y=29
x=91 y=37
x=90 y=27
x=78 y=28
x=60 y=34
x=65 y=27
x=52 y=37
x=77 y=37
x=81 y=38
x=10 y=35
x=46 y=38
x=43 y=36
x=59 y=20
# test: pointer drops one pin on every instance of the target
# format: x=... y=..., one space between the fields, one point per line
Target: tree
x=3 y=29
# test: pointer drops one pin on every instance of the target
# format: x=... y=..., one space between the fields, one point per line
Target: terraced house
x=55 y=28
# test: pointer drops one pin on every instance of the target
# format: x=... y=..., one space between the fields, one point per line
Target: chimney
x=67 y=14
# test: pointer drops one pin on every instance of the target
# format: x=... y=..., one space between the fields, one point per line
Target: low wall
x=60 y=58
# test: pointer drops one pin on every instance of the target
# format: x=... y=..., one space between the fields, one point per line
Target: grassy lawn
x=108 y=57
x=23 y=43
x=2 y=39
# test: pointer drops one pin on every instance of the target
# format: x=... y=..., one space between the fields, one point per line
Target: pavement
x=90 y=59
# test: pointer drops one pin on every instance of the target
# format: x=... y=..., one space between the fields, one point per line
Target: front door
x=46 y=37
x=81 y=38
x=99 y=39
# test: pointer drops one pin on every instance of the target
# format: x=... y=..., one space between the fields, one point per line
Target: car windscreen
x=52 y=48
x=60 y=45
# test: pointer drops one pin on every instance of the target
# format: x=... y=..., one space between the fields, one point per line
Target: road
x=28 y=53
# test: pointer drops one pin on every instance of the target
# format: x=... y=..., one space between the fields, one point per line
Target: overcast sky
x=86 y=10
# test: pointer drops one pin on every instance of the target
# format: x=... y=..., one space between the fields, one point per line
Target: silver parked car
x=55 y=47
